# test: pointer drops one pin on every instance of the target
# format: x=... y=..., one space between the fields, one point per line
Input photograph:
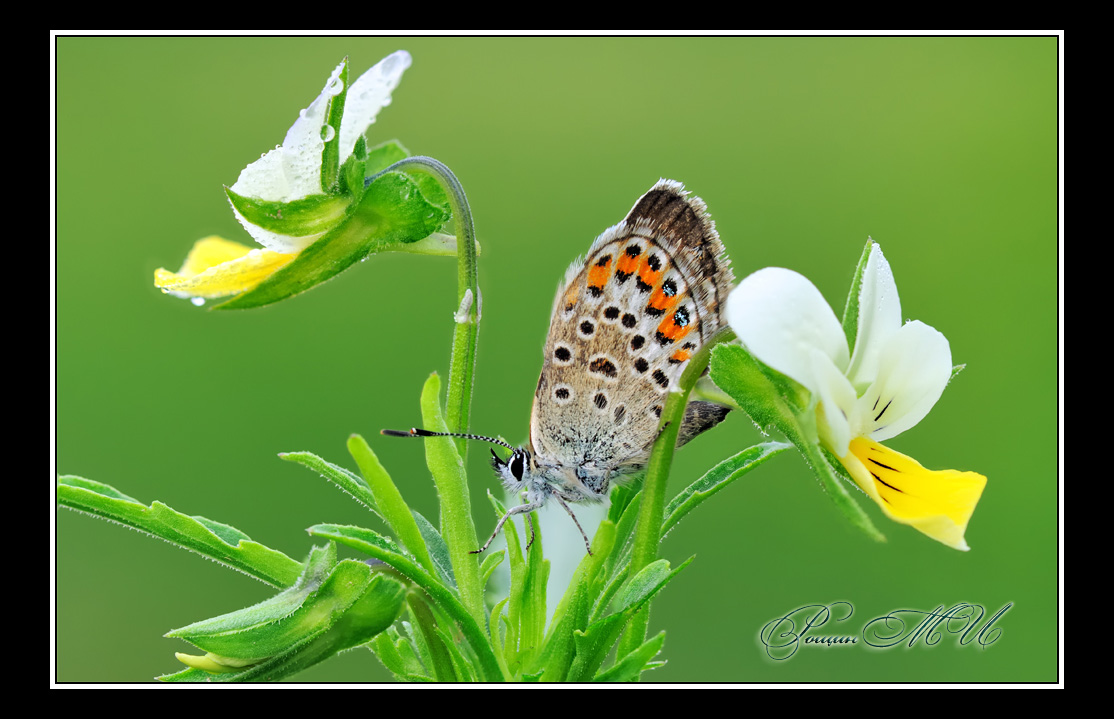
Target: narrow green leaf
x=440 y=659
x=716 y=479
x=630 y=667
x=310 y=215
x=391 y=211
x=353 y=485
x=353 y=171
x=196 y=534
x=490 y=564
x=389 y=500
x=438 y=550
x=447 y=468
x=593 y=644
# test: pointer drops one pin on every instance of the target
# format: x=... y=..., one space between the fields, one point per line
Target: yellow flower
x=895 y=376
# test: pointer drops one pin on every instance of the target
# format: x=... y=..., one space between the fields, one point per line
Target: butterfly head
x=513 y=471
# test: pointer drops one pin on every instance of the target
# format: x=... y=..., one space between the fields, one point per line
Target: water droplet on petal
x=327 y=132
x=335 y=86
x=197 y=301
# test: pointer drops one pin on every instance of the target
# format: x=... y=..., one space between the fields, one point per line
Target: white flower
x=894 y=377
x=293 y=170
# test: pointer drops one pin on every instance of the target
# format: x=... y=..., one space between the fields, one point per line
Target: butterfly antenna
x=415 y=432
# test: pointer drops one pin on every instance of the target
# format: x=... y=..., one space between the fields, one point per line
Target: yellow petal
x=216 y=267
x=938 y=503
x=205 y=663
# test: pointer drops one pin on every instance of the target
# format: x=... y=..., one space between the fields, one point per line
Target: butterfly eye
x=517 y=465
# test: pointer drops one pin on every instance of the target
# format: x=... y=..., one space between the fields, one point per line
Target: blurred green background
x=942 y=149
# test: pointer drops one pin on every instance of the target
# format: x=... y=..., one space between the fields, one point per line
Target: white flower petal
x=369 y=94
x=879 y=318
x=783 y=319
x=913 y=369
x=837 y=401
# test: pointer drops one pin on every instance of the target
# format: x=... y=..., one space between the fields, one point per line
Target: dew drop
x=335 y=86
x=327 y=133
x=197 y=301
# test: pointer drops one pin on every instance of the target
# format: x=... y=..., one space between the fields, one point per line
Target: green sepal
x=330 y=152
x=347 y=609
x=775 y=401
x=716 y=479
x=310 y=215
x=630 y=667
x=223 y=544
x=348 y=482
x=384 y=155
x=392 y=212
x=352 y=173
x=851 y=307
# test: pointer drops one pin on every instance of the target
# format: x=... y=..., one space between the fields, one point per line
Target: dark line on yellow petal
x=883 y=466
x=872 y=474
x=883 y=409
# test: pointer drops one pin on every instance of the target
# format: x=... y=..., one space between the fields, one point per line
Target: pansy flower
x=858 y=399
x=310 y=186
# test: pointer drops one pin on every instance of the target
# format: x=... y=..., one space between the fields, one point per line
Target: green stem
x=651 y=511
x=462 y=368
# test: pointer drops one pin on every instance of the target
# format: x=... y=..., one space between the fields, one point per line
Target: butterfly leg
x=530 y=521
x=530 y=507
x=582 y=534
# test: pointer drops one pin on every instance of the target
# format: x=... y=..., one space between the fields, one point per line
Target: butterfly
x=625 y=320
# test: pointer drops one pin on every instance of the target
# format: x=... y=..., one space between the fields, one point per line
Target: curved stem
x=462 y=368
x=651 y=512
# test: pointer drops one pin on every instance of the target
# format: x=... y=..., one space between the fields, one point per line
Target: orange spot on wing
x=681 y=356
x=598 y=274
x=671 y=330
x=571 y=296
x=627 y=265
x=647 y=274
x=661 y=301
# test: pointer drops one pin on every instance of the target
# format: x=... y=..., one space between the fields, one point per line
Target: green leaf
x=353 y=485
x=716 y=479
x=247 y=633
x=219 y=542
x=310 y=215
x=377 y=546
x=593 y=644
x=447 y=468
x=391 y=212
x=389 y=500
x=630 y=667
x=352 y=173
x=438 y=550
x=351 y=607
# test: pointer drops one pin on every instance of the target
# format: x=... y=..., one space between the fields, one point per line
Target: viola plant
x=422 y=600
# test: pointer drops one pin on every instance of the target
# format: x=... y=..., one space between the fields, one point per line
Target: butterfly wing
x=647 y=295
